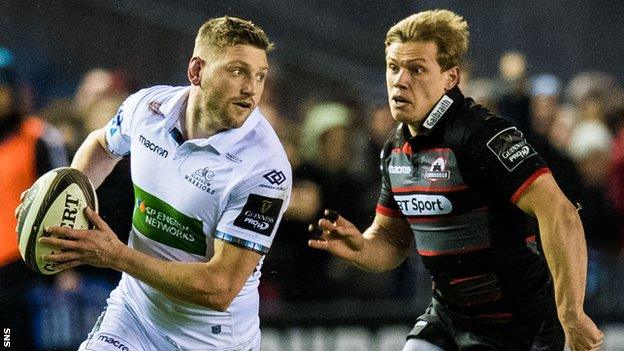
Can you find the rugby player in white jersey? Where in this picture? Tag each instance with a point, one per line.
(211, 183)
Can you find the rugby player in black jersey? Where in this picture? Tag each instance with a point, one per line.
(464, 188)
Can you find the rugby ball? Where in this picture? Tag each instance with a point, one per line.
(57, 199)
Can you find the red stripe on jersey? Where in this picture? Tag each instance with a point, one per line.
(453, 252)
(530, 239)
(437, 149)
(430, 188)
(427, 219)
(413, 219)
(406, 149)
(388, 211)
(516, 196)
(461, 280)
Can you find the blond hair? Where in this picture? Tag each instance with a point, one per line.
(445, 28)
(222, 32)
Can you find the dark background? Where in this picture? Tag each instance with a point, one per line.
(319, 43)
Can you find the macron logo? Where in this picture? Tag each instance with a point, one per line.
(153, 147)
(114, 342)
(438, 112)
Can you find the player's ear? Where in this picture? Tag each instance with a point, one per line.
(452, 78)
(194, 70)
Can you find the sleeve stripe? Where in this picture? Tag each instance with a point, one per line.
(516, 196)
(388, 211)
(245, 244)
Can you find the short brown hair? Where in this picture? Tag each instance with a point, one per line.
(445, 28)
(229, 31)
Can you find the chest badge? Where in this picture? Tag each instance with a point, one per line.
(438, 170)
(201, 179)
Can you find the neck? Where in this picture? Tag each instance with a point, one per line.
(196, 124)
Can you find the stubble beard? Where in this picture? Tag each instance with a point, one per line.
(211, 116)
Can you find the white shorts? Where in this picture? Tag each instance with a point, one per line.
(119, 328)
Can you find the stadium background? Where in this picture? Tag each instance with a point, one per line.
(328, 65)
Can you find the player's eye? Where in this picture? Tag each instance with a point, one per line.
(238, 72)
(416, 70)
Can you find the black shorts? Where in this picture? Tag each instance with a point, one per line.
(438, 327)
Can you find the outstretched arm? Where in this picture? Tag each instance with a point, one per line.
(564, 246)
(382, 247)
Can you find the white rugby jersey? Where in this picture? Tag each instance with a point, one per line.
(233, 186)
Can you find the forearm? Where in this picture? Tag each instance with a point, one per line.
(199, 283)
(564, 246)
(93, 159)
(380, 253)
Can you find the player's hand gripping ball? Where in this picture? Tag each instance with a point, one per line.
(57, 199)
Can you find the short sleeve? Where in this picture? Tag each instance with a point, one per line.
(501, 160)
(386, 205)
(119, 128)
(256, 205)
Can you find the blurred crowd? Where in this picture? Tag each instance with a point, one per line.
(577, 126)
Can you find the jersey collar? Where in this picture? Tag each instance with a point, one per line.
(223, 140)
(446, 106)
(172, 108)
(448, 103)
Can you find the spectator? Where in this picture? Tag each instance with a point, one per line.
(615, 180)
(61, 114)
(590, 145)
(590, 139)
(514, 101)
(561, 128)
(99, 94)
(544, 111)
(28, 148)
(327, 151)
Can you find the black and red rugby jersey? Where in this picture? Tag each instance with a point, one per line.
(456, 183)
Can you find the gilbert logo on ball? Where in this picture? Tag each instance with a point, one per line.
(57, 199)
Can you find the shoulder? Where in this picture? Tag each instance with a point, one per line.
(475, 123)
(160, 91)
(261, 151)
(153, 98)
(393, 140)
(263, 141)
(146, 93)
(153, 103)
